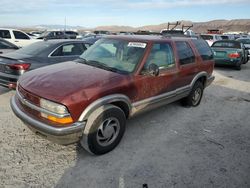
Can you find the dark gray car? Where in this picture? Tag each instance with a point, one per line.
(37, 55)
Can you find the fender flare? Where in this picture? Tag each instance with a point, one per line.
(102, 101)
(198, 76)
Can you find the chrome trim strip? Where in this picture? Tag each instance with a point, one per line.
(105, 100)
(39, 109)
(55, 131)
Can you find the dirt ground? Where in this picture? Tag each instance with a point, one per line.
(173, 146)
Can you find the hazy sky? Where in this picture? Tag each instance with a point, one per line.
(91, 13)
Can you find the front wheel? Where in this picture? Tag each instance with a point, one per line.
(194, 98)
(104, 130)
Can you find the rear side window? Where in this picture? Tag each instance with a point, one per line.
(20, 35)
(70, 50)
(203, 49)
(5, 34)
(185, 53)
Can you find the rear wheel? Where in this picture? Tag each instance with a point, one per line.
(105, 128)
(195, 96)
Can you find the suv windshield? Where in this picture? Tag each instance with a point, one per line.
(114, 55)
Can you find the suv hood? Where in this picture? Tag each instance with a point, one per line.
(59, 81)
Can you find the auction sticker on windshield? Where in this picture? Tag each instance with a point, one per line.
(137, 44)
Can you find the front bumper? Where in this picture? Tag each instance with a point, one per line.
(209, 80)
(60, 135)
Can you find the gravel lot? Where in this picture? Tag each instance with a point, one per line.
(207, 146)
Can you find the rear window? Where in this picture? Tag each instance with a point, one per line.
(207, 37)
(5, 34)
(203, 49)
(244, 41)
(35, 48)
(226, 44)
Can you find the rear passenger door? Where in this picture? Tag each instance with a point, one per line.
(187, 62)
(67, 52)
(150, 86)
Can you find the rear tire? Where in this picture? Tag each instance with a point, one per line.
(195, 96)
(104, 130)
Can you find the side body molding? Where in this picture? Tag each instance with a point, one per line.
(102, 101)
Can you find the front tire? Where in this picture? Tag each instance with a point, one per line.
(195, 96)
(104, 130)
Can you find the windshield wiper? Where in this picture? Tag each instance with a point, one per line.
(98, 64)
(104, 66)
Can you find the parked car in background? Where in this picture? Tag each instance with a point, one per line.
(53, 35)
(229, 52)
(6, 46)
(71, 34)
(211, 38)
(37, 55)
(17, 37)
(246, 42)
(92, 39)
(89, 99)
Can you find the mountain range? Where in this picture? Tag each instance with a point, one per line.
(237, 25)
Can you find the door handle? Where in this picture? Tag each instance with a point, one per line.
(17, 41)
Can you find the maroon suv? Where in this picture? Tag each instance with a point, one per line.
(89, 99)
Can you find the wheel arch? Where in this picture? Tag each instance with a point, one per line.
(119, 100)
(202, 76)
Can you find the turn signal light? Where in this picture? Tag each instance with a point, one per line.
(64, 120)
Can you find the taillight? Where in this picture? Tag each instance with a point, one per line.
(22, 66)
(234, 55)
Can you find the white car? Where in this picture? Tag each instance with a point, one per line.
(211, 38)
(17, 37)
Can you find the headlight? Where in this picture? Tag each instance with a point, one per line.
(53, 107)
(56, 112)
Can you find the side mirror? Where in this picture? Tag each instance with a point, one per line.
(153, 69)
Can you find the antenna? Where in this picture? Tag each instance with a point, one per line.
(64, 23)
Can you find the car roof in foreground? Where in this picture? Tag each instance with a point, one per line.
(147, 38)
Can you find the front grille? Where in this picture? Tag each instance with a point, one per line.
(28, 96)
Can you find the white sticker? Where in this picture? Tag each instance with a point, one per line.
(137, 44)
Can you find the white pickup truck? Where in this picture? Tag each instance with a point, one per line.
(17, 37)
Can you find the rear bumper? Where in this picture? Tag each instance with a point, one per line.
(209, 80)
(60, 135)
(227, 62)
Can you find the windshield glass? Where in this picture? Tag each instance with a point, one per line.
(34, 48)
(114, 55)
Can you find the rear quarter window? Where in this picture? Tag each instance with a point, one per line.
(203, 49)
